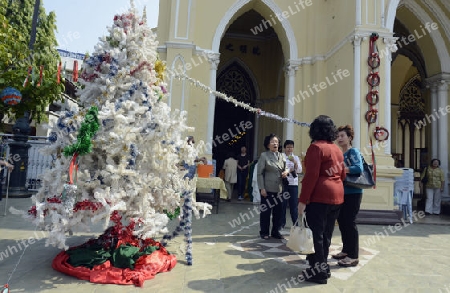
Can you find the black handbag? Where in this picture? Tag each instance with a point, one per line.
(425, 178)
(364, 180)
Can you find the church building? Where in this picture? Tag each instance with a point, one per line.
(382, 66)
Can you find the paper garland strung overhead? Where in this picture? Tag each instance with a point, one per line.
(236, 102)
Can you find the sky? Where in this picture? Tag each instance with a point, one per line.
(81, 22)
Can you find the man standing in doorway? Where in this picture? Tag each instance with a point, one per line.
(242, 171)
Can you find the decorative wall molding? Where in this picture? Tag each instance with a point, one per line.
(177, 17)
(180, 60)
(375, 12)
(225, 22)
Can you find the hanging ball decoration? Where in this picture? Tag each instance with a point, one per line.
(11, 96)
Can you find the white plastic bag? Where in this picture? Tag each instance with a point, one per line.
(301, 238)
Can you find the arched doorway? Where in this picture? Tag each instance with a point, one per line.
(411, 133)
(251, 70)
(409, 104)
(233, 126)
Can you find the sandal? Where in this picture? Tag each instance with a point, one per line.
(348, 262)
(265, 237)
(340, 255)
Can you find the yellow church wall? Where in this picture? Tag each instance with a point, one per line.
(400, 75)
(339, 20)
(339, 78)
(302, 109)
(164, 26)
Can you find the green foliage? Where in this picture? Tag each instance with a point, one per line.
(16, 58)
(88, 128)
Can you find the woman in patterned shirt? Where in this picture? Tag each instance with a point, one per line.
(434, 187)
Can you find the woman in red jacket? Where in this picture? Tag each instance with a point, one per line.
(322, 194)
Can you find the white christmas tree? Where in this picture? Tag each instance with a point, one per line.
(123, 145)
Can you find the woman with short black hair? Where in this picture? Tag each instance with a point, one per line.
(270, 171)
(322, 194)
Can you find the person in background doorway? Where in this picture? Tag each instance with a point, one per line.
(192, 169)
(295, 167)
(434, 187)
(242, 172)
(348, 257)
(322, 194)
(230, 177)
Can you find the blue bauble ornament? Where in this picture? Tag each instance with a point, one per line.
(11, 96)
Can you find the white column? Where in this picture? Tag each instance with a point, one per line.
(213, 58)
(434, 126)
(357, 91)
(288, 131)
(442, 129)
(256, 138)
(390, 48)
(358, 12)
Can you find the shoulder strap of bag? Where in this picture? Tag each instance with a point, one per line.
(304, 222)
(373, 163)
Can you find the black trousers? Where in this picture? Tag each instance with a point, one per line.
(321, 219)
(293, 205)
(347, 224)
(241, 180)
(270, 205)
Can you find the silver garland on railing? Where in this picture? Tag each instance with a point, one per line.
(236, 102)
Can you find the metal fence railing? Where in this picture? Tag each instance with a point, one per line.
(37, 162)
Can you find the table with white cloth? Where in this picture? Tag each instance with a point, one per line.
(211, 190)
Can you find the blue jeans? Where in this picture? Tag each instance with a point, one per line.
(293, 205)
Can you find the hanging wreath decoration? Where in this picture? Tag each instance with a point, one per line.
(374, 60)
(372, 97)
(373, 79)
(381, 133)
(371, 116)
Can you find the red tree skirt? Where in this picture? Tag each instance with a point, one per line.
(146, 267)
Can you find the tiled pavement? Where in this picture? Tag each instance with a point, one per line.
(406, 258)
